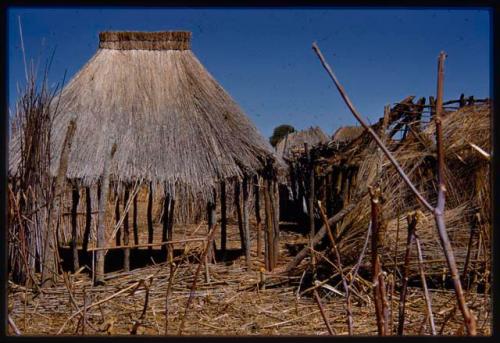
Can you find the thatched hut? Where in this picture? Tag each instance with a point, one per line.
(293, 143)
(144, 111)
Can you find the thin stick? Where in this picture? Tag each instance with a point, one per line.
(14, 326)
(428, 300)
(323, 314)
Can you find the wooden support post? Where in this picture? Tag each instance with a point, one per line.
(274, 194)
(166, 221)
(118, 236)
(379, 294)
(74, 226)
(88, 220)
(126, 233)
(101, 238)
(269, 232)
(310, 193)
(150, 217)
(223, 223)
(134, 221)
(239, 213)
(257, 215)
(211, 216)
(170, 228)
(246, 226)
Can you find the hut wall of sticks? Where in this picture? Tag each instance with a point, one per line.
(142, 128)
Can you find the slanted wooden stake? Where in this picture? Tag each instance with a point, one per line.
(246, 226)
(103, 197)
(74, 226)
(88, 220)
(126, 233)
(150, 217)
(134, 222)
(223, 219)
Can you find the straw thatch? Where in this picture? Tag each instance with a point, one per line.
(346, 134)
(294, 141)
(172, 122)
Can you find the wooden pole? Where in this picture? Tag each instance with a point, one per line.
(246, 226)
(170, 228)
(257, 215)
(377, 276)
(126, 233)
(74, 226)
(237, 201)
(211, 216)
(134, 222)
(117, 218)
(88, 219)
(101, 239)
(150, 217)
(164, 233)
(223, 222)
(276, 233)
(269, 254)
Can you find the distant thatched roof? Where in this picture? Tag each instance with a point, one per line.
(295, 141)
(346, 134)
(170, 119)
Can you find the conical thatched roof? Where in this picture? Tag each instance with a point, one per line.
(171, 121)
(294, 141)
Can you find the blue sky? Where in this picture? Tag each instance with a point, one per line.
(263, 57)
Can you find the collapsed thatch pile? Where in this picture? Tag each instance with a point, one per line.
(361, 164)
(172, 123)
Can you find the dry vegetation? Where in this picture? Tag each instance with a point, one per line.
(365, 259)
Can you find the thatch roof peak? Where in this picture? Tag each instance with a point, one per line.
(138, 40)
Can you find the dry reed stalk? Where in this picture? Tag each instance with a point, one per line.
(245, 224)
